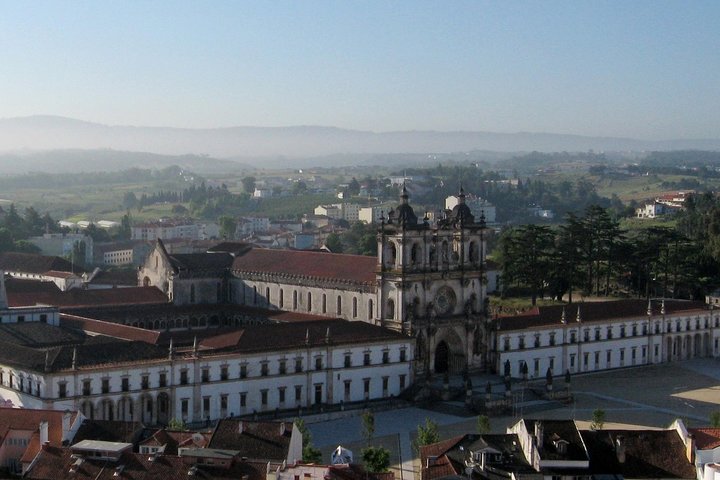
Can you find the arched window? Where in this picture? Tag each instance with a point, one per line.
(295, 300)
(415, 254)
(192, 293)
(267, 295)
(255, 299)
(309, 301)
(370, 309)
(339, 305)
(282, 298)
(354, 310)
(390, 313)
(392, 254)
(472, 250)
(324, 303)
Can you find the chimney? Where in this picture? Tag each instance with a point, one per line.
(539, 435)
(44, 432)
(690, 448)
(240, 427)
(620, 448)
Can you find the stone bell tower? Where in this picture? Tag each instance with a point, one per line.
(431, 285)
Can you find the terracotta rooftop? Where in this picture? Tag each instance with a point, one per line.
(292, 335)
(78, 297)
(269, 441)
(115, 330)
(648, 454)
(594, 312)
(21, 285)
(301, 263)
(706, 438)
(54, 463)
(29, 419)
(33, 263)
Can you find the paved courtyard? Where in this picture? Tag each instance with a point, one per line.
(652, 396)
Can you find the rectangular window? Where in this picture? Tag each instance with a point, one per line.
(366, 358)
(298, 365)
(403, 355)
(608, 357)
(318, 363)
(597, 359)
(184, 407)
(597, 334)
(206, 407)
(125, 384)
(521, 342)
(386, 357)
(43, 318)
(402, 382)
(281, 394)
(385, 382)
(243, 399)
(552, 340)
(339, 305)
(506, 344)
(224, 372)
(657, 351)
(609, 333)
(282, 367)
(347, 390)
(86, 387)
(264, 369)
(105, 385)
(162, 381)
(552, 364)
(183, 377)
(318, 393)
(205, 375)
(298, 393)
(223, 405)
(243, 371)
(586, 335)
(145, 382)
(263, 397)
(572, 360)
(348, 360)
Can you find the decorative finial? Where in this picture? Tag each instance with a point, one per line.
(649, 309)
(578, 317)
(327, 335)
(74, 358)
(307, 337)
(662, 307)
(170, 350)
(563, 318)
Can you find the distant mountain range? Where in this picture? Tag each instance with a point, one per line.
(52, 133)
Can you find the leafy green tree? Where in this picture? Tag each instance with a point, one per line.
(376, 459)
(333, 243)
(598, 419)
(130, 200)
(248, 184)
(483, 424)
(526, 258)
(715, 419)
(368, 425)
(25, 246)
(310, 453)
(176, 424)
(227, 227)
(427, 434)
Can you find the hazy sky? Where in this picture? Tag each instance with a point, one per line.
(646, 69)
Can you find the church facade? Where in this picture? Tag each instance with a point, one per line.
(427, 282)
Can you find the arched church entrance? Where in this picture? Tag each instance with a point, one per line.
(442, 357)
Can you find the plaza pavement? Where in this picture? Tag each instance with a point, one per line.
(652, 396)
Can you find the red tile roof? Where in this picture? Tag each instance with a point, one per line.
(29, 419)
(706, 438)
(77, 297)
(300, 263)
(116, 330)
(594, 312)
